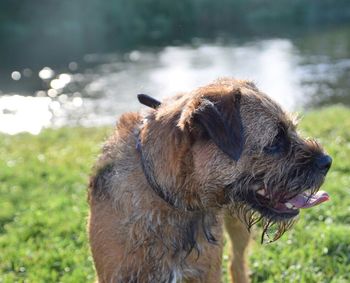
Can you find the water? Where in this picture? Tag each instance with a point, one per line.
(303, 72)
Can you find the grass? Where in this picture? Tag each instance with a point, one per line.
(43, 210)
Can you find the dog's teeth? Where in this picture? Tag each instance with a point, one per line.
(288, 205)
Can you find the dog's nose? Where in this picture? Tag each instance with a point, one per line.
(324, 162)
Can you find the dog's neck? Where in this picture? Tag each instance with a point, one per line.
(171, 192)
(148, 171)
(195, 219)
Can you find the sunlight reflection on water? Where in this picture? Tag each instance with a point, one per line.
(270, 64)
(97, 95)
(24, 114)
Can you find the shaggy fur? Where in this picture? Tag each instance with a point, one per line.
(164, 181)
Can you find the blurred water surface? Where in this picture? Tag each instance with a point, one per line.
(303, 72)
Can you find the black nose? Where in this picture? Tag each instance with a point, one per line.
(324, 162)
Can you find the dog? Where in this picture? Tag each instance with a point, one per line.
(168, 180)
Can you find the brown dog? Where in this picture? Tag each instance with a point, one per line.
(165, 180)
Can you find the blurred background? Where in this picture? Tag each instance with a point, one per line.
(71, 63)
(82, 62)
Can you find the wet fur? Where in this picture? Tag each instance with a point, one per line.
(205, 153)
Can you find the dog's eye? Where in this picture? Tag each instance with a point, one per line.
(279, 144)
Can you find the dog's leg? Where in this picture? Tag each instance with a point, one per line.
(239, 240)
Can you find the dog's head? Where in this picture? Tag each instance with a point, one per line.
(232, 145)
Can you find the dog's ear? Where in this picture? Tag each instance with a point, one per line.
(148, 101)
(221, 122)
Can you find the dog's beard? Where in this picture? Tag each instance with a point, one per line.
(261, 201)
(244, 204)
(275, 212)
(272, 228)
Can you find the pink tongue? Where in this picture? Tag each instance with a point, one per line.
(304, 201)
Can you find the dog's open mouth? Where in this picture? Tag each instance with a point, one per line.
(290, 207)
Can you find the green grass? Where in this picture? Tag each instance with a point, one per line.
(43, 210)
